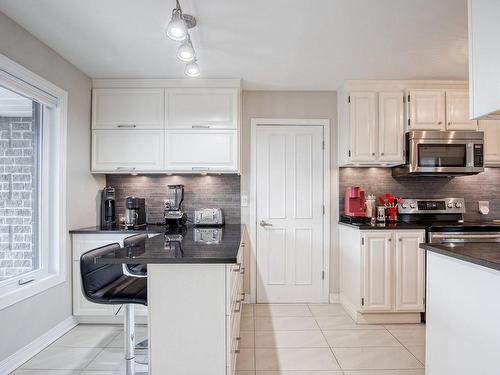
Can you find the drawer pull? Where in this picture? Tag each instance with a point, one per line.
(127, 126)
(238, 309)
(125, 168)
(242, 270)
(236, 351)
(237, 338)
(200, 126)
(243, 296)
(238, 269)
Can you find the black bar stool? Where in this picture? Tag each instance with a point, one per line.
(137, 270)
(108, 284)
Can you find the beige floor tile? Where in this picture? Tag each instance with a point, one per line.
(355, 338)
(299, 372)
(89, 336)
(410, 336)
(141, 333)
(343, 322)
(245, 360)
(290, 339)
(302, 359)
(247, 323)
(418, 351)
(45, 372)
(376, 358)
(327, 309)
(111, 359)
(386, 372)
(405, 326)
(62, 358)
(247, 339)
(264, 310)
(103, 372)
(247, 309)
(286, 323)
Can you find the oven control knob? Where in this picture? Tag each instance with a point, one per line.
(413, 205)
(450, 205)
(404, 205)
(458, 205)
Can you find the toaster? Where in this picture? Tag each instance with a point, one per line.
(208, 216)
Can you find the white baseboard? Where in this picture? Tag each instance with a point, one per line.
(15, 360)
(334, 298)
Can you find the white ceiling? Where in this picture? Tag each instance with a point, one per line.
(270, 44)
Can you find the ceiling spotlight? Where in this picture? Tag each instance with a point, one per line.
(179, 24)
(192, 69)
(185, 52)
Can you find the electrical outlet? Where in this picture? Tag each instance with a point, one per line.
(244, 200)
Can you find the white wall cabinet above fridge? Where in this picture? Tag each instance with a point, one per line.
(164, 126)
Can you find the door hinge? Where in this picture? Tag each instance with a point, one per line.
(323, 209)
(362, 240)
(322, 275)
(362, 301)
(349, 153)
(349, 99)
(404, 99)
(408, 122)
(323, 145)
(408, 98)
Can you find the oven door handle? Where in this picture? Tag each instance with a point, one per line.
(465, 236)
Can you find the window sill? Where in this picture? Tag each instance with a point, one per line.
(11, 296)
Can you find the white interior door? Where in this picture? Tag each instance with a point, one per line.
(289, 214)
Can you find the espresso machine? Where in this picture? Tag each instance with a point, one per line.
(135, 212)
(174, 217)
(354, 201)
(108, 214)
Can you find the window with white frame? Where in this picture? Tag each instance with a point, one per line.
(32, 183)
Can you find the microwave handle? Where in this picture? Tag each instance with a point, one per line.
(470, 155)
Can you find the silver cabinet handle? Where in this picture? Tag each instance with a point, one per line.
(239, 267)
(125, 168)
(382, 153)
(242, 270)
(243, 296)
(440, 122)
(238, 309)
(236, 351)
(264, 224)
(200, 126)
(127, 126)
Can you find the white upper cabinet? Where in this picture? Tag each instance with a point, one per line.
(127, 151)
(457, 111)
(391, 117)
(426, 110)
(363, 125)
(491, 129)
(409, 263)
(201, 150)
(210, 108)
(484, 59)
(127, 109)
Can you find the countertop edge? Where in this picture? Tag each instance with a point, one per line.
(397, 226)
(465, 258)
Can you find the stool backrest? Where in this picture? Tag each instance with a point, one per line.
(135, 240)
(97, 276)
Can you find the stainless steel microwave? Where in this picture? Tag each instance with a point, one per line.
(448, 153)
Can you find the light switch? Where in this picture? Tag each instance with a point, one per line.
(244, 200)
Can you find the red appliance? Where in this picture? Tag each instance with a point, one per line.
(354, 201)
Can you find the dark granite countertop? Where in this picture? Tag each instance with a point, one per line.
(397, 225)
(182, 246)
(485, 254)
(119, 229)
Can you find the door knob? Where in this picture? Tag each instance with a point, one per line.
(264, 224)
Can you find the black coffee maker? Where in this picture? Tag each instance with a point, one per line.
(108, 214)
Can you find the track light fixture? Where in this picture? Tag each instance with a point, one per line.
(177, 30)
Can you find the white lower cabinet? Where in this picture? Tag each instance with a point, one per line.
(382, 274)
(127, 151)
(201, 150)
(83, 309)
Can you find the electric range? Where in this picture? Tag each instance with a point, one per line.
(444, 220)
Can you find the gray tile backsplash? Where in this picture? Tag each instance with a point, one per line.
(483, 186)
(222, 191)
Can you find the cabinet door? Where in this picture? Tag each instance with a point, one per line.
(427, 110)
(391, 126)
(409, 271)
(127, 151)
(491, 129)
(457, 111)
(209, 108)
(127, 109)
(363, 126)
(201, 150)
(377, 283)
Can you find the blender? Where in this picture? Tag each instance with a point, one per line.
(174, 217)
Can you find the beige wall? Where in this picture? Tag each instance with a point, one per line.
(293, 104)
(28, 319)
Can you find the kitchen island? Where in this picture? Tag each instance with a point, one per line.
(463, 304)
(195, 294)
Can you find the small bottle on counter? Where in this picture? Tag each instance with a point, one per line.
(370, 207)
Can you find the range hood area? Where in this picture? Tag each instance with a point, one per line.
(442, 153)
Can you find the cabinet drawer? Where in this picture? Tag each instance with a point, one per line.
(127, 151)
(201, 150)
(210, 108)
(127, 109)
